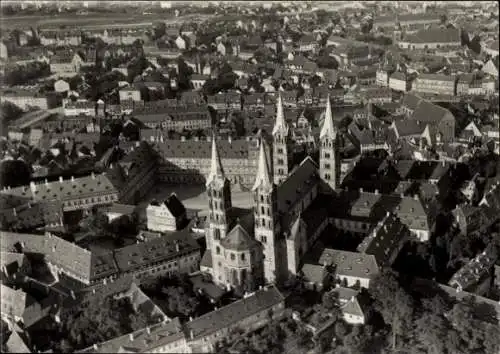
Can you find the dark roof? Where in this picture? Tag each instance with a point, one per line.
(143, 340)
(299, 183)
(235, 312)
(429, 112)
(350, 263)
(175, 206)
(384, 239)
(238, 239)
(236, 149)
(168, 246)
(435, 35)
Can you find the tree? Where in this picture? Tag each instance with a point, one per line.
(14, 173)
(393, 303)
(304, 338)
(185, 73)
(327, 62)
(340, 329)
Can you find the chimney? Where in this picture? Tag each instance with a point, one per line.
(196, 138)
(191, 335)
(415, 197)
(73, 295)
(209, 138)
(183, 138)
(95, 346)
(376, 191)
(72, 179)
(46, 182)
(229, 139)
(92, 175)
(131, 337)
(33, 186)
(361, 190)
(148, 330)
(93, 291)
(402, 195)
(14, 211)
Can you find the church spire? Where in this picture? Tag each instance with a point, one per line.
(216, 170)
(328, 129)
(263, 178)
(280, 125)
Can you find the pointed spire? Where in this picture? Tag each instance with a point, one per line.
(280, 125)
(263, 178)
(328, 128)
(216, 170)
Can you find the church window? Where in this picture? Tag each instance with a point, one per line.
(262, 198)
(263, 239)
(217, 234)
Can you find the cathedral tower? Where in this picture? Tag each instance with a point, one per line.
(266, 217)
(219, 202)
(329, 166)
(282, 147)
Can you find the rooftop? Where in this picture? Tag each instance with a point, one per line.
(231, 314)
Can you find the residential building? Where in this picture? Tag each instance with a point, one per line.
(79, 107)
(198, 80)
(66, 64)
(75, 194)
(130, 93)
(169, 215)
(25, 99)
(399, 82)
(432, 38)
(201, 334)
(407, 20)
(250, 313)
(434, 84)
(176, 118)
(354, 310)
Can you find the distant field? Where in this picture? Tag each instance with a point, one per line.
(87, 21)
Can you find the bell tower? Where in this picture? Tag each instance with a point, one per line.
(329, 157)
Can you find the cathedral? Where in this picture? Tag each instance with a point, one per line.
(250, 247)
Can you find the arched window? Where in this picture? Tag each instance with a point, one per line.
(217, 234)
(217, 250)
(233, 257)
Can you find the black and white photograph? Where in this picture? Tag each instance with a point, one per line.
(249, 177)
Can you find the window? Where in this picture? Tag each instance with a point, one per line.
(263, 239)
(327, 166)
(232, 256)
(217, 234)
(327, 155)
(281, 162)
(262, 210)
(217, 250)
(242, 256)
(280, 150)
